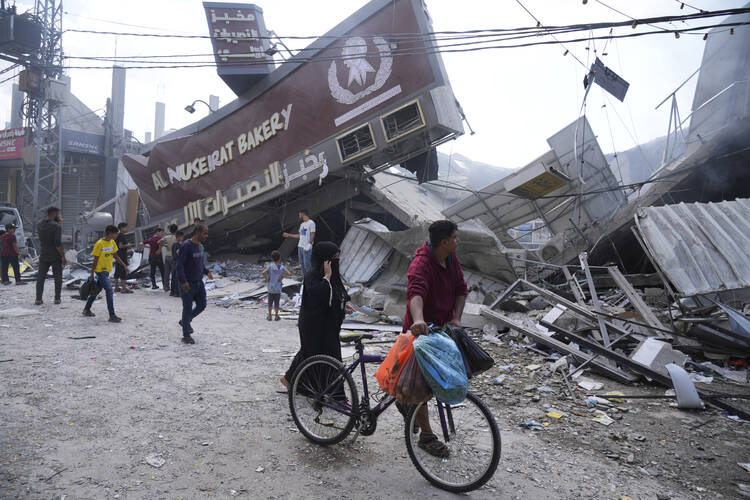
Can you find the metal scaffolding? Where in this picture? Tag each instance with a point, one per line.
(42, 180)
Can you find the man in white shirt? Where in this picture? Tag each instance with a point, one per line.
(306, 239)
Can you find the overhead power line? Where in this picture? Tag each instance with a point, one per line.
(425, 50)
(406, 36)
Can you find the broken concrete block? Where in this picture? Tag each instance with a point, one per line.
(395, 303)
(471, 317)
(657, 354)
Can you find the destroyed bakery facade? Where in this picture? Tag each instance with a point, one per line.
(309, 134)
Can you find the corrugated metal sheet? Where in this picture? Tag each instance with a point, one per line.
(363, 252)
(700, 247)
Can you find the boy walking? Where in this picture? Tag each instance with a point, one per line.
(274, 274)
(104, 251)
(9, 255)
(122, 250)
(190, 270)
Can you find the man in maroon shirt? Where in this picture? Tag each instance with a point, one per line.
(436, 293)
(9, 255)
(154, 258)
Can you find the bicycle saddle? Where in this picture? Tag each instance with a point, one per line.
(355, 336)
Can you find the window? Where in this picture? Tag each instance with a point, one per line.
(404, 120)
(356, 143)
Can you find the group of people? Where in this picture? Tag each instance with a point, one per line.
(185, 261)
(436, 289)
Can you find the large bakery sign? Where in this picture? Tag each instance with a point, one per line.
(251, 150)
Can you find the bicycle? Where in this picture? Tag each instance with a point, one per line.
(325, 406)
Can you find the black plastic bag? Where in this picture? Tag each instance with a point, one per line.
(476, 359)
(89, 289)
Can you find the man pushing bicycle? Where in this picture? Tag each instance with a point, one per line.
(436, 294)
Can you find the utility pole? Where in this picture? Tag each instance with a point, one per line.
(42, 181)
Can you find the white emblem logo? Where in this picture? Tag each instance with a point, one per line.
(354, 52)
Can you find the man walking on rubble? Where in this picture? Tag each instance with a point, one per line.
(436, 293)
(190, 269)
(51, 253)
(306, 239)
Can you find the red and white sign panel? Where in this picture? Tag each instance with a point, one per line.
(12, 140)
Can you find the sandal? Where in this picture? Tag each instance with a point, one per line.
(432, 445)
(268, 317)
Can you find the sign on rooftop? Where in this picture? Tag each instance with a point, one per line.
(240, 40)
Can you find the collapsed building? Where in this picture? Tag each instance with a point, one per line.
(311, 134)
(301, 138)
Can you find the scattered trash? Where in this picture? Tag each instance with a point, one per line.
(603, 418)
(546, 390)
(155, 460)
(554, 414)
(614, 393)
(589, 385)
(260, 469)
(532, 425)
(744, 465)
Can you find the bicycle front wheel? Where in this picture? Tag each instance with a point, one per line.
(471, 436)
(323, 400)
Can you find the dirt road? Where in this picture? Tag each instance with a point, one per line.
(81, 418)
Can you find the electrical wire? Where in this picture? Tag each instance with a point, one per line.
(421, 36)
(539, 24)
(406, 52)
(684, 4)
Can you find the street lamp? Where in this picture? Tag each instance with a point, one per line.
(190, 108)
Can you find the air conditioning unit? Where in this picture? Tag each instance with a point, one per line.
(356, 143)
(553, 248)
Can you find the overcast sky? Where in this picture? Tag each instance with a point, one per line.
(513, 98)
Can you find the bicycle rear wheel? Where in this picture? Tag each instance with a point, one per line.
(473, 442)
(323, 400)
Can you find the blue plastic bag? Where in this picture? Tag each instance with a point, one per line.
(442, 366)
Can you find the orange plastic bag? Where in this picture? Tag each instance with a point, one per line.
(390, 369)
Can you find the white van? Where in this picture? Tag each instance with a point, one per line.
(10, 215)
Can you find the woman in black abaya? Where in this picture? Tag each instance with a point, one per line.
(323, 308)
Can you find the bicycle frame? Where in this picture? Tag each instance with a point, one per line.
(444, 411)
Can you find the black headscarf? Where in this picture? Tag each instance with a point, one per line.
(321, 252)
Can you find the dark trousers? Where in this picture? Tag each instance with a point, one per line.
(174, 284)
(103, 278)
(197, 295)
(44, 266)
(169, 268)
(155, 263)
(5, 261)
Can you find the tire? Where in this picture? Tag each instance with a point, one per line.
(321, 418)
(476, 436)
